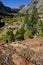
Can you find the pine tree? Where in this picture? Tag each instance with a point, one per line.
(33, 20)
(10, 36)
(30, 24)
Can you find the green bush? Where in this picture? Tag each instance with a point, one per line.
(28, 34)
(40, 28)
(10, 35)
(20, 34)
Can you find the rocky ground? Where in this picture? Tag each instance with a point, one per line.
(27, 52)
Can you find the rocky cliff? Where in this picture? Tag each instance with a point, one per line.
(37, 3)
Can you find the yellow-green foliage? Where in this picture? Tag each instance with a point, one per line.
(28, 34)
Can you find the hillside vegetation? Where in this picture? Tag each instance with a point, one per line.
(21, 27)
(21, 36)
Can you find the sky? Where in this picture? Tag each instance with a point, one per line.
(15, 3)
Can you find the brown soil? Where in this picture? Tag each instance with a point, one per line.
(27, 52)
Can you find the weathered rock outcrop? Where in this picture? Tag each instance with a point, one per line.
(37, 3)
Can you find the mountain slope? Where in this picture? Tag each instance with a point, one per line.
(7, 9)
(4, 8)
(37, 3)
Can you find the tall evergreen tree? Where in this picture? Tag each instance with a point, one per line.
(10, 36)
(33, 20)
(30, 24)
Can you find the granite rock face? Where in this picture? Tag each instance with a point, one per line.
(19, 53)
(37, 3)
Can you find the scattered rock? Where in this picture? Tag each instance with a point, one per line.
(21, 54)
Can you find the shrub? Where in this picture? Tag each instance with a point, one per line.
(28, 34)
